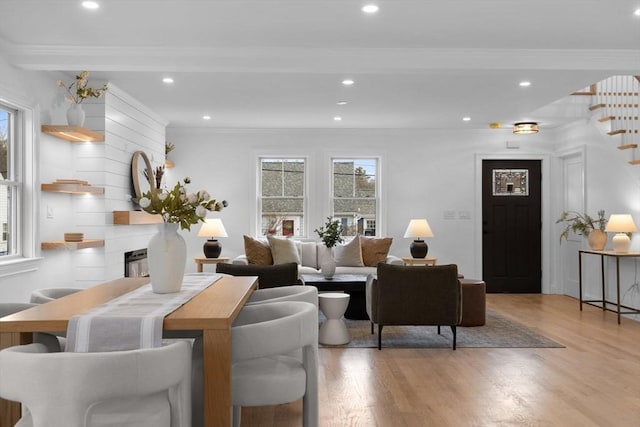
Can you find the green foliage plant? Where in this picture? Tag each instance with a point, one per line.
(330, 233)
(581, 223)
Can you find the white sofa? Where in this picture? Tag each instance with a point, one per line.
(311, 255)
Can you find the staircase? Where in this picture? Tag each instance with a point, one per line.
(616, 103)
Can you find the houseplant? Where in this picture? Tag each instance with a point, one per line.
(330, 234)
(166, 252)
(587, 226)
(77, 92)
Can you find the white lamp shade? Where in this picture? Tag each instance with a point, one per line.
(418, 228)
(212, 227)
(621, 223)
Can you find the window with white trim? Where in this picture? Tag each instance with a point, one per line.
(10, 184)
(355, 194)
(281, 197)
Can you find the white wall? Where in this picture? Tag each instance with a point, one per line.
(610, 184)
(424, 174)
(128, 126)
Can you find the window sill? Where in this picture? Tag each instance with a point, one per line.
(18, 265)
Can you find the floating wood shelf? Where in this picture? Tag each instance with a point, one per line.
(73, 133)
(61, 244)
(71, 188)
(135, 218)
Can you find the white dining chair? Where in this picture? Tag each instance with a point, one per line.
(141, 388)
(285, 293)
(53, 343)
(265, 340)
(41, 296)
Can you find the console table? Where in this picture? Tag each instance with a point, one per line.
(603, 303)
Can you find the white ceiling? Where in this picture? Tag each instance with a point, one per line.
(280, 63)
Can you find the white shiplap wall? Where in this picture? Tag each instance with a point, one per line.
(129, 126)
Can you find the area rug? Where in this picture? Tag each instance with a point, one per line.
(498, 332)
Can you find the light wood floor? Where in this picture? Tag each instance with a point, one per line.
(594, 381)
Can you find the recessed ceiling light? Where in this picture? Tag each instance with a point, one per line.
(337, 118)
(636, 12)
(90, 4)
(341, 103)
(370, 8)
(525, 84)
(167, 80)
(206, 117)
(348, 82)
(466, 119)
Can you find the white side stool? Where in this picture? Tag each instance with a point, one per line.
(333, 331)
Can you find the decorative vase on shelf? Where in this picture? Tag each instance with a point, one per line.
(167, 256)
(597, 240)
(75, 115)
(328, 265)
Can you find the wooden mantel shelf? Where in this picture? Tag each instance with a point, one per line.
(73, 133)
(71, 188)
(135, 218)
(61, 244)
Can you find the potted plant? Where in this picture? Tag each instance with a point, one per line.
(330, 234)
(166, 251)
(587, 226)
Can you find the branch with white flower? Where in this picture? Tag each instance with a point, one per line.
(178, 206)
(78, 90)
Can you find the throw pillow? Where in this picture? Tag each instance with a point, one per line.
(283, 250)
(349, 254)
(257, 252)
(374, 250)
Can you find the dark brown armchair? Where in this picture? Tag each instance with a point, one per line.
(414, 295)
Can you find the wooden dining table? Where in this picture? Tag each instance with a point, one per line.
(210, 312)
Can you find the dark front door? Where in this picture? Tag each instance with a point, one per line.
(511, 226)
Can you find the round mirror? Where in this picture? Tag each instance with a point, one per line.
(141, 174)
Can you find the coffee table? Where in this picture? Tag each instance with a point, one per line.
(352, 284)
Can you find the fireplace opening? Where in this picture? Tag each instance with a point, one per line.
(135, 263)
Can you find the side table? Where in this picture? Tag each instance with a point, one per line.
(200, 261)
(419, 261)
(333, 331)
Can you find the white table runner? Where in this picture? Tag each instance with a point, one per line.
(133, 320)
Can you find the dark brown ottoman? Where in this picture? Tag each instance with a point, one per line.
(474, 306)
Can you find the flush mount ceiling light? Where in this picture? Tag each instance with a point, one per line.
(522, 128)
(337, 118)
(525, 84)
(370, 8)
(341, 103)
(167, 80)
(466, 119)
(90, 5)
(347, 82)
(206, 117)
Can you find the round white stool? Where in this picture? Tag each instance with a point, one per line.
(333, 331)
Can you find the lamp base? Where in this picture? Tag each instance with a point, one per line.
(418, 249)
(212, 248)
(621, 243)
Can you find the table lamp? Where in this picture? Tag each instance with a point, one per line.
(621, 224)
(212, 228)
(418, 228)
